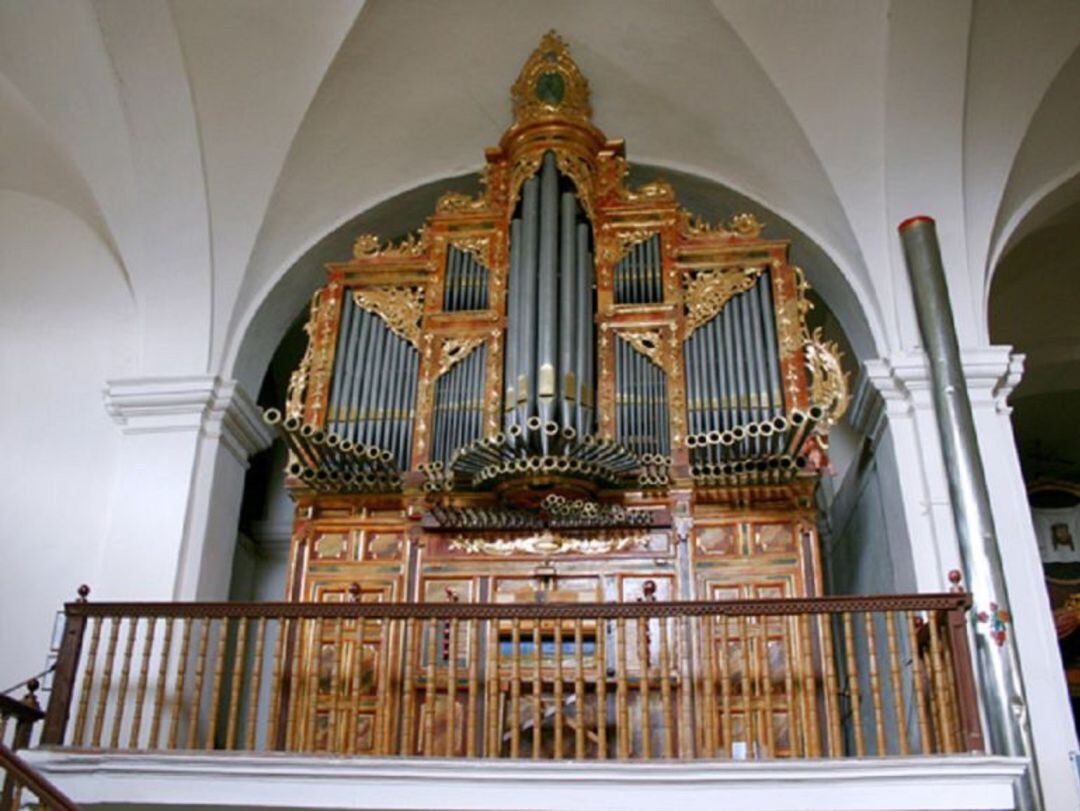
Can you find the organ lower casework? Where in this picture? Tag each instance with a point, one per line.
(561, 390)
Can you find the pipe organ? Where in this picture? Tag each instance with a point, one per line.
(562, 389)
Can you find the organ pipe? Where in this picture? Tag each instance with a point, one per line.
(549, 325)
(466, 281)
(638, 275)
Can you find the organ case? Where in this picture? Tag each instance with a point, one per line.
(561, 389)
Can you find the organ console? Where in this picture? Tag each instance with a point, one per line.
(561, 389)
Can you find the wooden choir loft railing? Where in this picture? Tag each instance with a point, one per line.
(22, 786)
(786, 678)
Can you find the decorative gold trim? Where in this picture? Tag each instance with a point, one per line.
(580, 171)
(326, 322)
(400, 307)
(828, 380)
(614, 180)
(454, 202)
(476, 246)
(791, 315)
(494, 383)
(548, 543)
(708, 290)
(298, 380)
(648, 342)
(744, 226)
(625, 240)
(369, 246)
(455, 350)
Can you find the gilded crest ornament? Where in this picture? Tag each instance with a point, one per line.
(550, 84)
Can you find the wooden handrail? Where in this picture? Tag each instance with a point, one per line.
(945, 601)
(20, 710)
(19, 773)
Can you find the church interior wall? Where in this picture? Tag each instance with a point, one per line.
(67, 323)
(126, 254)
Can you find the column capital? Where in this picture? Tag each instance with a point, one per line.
(203, 404)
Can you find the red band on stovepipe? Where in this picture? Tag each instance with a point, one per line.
(910, 221)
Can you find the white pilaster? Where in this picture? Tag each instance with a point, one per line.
(902, 380)
(992, 374)
(172, 523)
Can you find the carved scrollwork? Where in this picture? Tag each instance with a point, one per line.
(477, 246)
(455, 350)
(294, 397)
(707, 291)
(548, 543)
(624, 241)
(580, 171)
(745, 226)
(575, 167)
(615, 180)
(526, 167)
(454, 202)
(369, 246)
(791, 313)
(400, 307)
(648, 342)
(829, 383)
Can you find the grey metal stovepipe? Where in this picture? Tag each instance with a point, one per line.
(997, 665)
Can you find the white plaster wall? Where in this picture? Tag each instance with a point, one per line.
(66, 324)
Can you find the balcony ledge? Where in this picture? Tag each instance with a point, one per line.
(291, 781)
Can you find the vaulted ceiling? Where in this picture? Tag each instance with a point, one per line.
(211, 145)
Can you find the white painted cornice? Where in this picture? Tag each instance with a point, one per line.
(205, 404)
(902, 380)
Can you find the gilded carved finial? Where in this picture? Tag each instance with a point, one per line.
(550, 83)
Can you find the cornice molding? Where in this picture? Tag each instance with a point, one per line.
(204, 404)
(902, 381)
